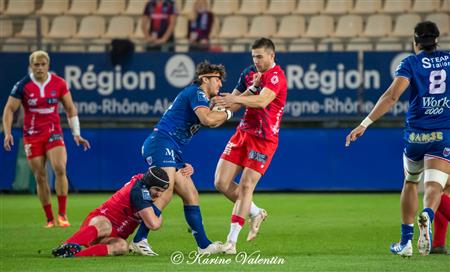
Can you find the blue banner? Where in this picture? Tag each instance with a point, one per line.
(320, 85)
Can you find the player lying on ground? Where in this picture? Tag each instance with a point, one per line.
(105, 229)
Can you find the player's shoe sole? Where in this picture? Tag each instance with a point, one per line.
(255, 223)
(424, 242)
(402, 250)
(66, 250)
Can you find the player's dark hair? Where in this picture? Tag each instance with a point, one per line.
(263, 43)
(205, 68)
(156, 177)
(425, 34)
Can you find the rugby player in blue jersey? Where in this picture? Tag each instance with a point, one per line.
(163, 148)
(426, 134)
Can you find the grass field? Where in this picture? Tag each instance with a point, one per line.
(310, 232)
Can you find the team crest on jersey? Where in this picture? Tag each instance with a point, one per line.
(53, 92)
(32, 102)
(275, 79)
(146, 194)
(446, 152)
(202, 96)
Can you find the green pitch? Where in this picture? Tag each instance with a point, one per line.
(304, 232)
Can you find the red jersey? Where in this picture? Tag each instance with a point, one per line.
(122, 207)
(40, 103)
(264, 123)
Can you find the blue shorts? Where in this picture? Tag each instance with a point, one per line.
(159, 150)
(426, 143)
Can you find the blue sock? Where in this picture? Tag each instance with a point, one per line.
(143, 231)
(407, 233)
(430, 213)
(194, 219)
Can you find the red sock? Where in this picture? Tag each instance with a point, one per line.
(95, 250)
(62, 200)
(440, 229)
(48, 212)
(444, 206)
(84, 236)
(237, 219)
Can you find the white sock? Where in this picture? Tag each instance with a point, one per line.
(254, 210)
(235, 228)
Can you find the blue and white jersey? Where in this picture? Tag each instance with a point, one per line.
(429, 102)
(180, 121)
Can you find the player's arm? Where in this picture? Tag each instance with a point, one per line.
(74, 122)
(252, 101)
(150, 219)
(384, 104)
(12, 105)
(211, 118)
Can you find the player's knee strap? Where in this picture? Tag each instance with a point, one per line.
(413, 169)
(436, 176)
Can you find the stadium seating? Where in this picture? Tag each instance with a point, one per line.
(442, 20)
(424, 6)
(349, 26)
(403, 25)
(20, 7)
(330, 44)
(225, 7)
(135, 7)
(310, 7)
(291, 27)
(359, 44)
(111, 7)
(379, 25)
(262, 26)
(82, 7)
(252, 7)
(338, 6)
(366, 6)
(181, 28)
(234, 27)
(320, 26)
(2, 6)
(120, 27)
(396, 6)
(445, 6)
(63, 27)
(388, 44)
(52, 7)
(91, 27)
(15, 45)
(6, 28)
(281, 7)
(301, 44)
(29, 28)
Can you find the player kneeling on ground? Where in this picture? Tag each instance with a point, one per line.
(105, 229)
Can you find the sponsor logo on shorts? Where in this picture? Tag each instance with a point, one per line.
(253, 155)
(55, 137)
(228, 148)
(171, 153)
(446, 152)
(425, 137)
(27, 149)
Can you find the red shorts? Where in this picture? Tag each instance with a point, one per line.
(249, 151)
(36, 146)
(93, 214)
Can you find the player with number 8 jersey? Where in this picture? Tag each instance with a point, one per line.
(426, 136)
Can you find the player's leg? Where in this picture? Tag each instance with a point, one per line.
(441, 221)
(112, 246)
(94, 228)
(241, 209)
(37, 165)
(435, 180)
(185, 188)
(57, 155)
(224, 179)
(408, 204)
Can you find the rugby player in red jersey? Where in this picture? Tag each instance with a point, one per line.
(262, 89)
(105, 230)
(39, 94)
